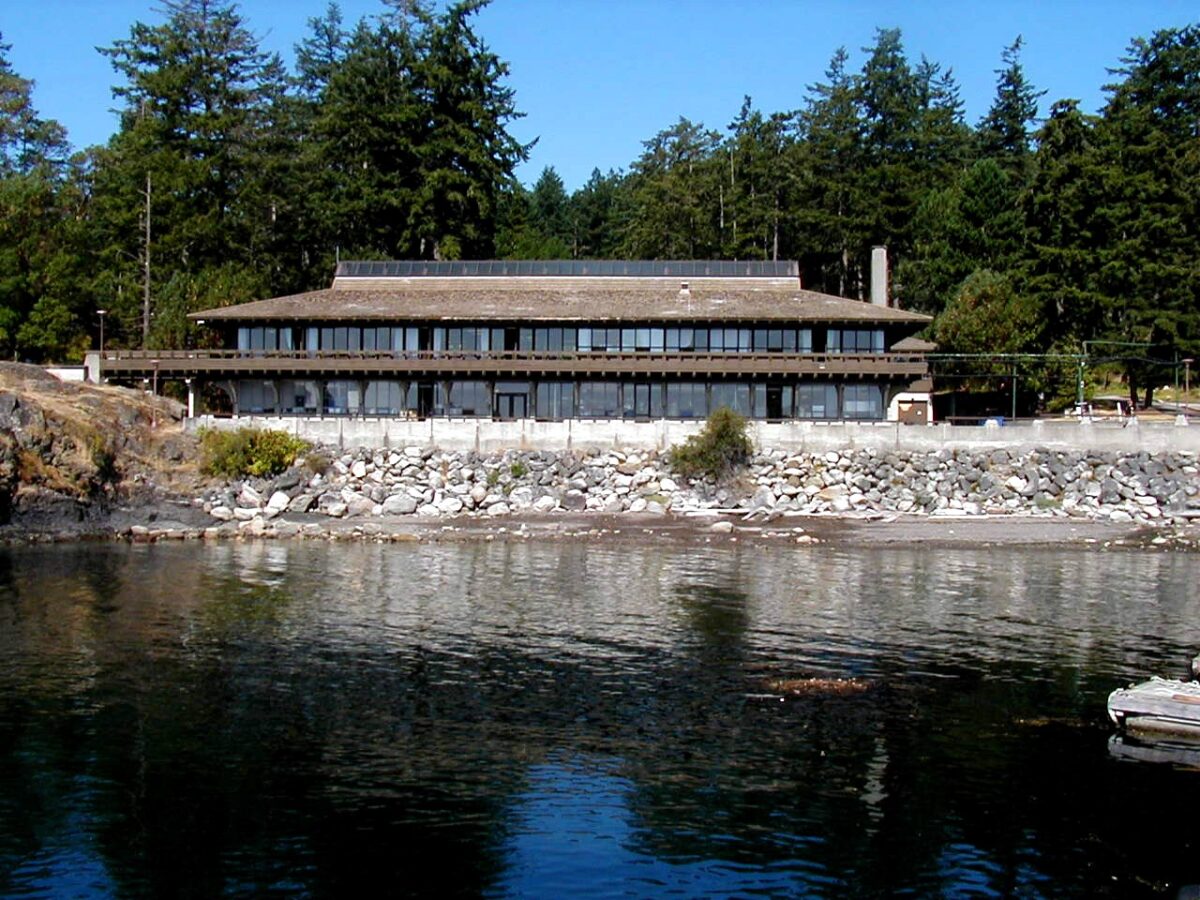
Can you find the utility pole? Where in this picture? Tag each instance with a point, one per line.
(146, 271)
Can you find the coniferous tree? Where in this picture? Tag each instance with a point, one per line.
(1004, 131)
(172, 185)
(43, 297)
(1150, 169)
(753, 185)
(600, 213)
(675, 195)
(1063, 230)
(829, 217)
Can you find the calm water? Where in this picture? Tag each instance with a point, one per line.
(544, 720)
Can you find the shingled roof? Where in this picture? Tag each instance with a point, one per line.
(561, 299)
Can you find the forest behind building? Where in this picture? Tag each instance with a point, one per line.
(233, 177)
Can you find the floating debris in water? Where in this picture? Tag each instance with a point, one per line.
(807, 687)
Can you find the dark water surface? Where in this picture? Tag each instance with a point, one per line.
(556, 720)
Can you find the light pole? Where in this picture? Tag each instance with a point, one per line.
(100, 362)
(1187, 383)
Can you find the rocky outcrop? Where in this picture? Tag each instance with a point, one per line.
(68, 451)
(430, 483)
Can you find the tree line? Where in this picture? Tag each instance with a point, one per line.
(231, 177)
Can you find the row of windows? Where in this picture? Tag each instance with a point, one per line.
(555, 400)
(352, 338)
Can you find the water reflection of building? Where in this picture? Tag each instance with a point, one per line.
(556, 341)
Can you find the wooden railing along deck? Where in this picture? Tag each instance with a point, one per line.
(180, 363)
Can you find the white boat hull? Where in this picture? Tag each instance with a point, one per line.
(1157, 706)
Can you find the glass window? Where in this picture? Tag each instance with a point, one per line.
(243, 338)
(312, 339)
(687, 400)
(255, 396)
(298, 397)
(760, 340)
(555, 400)
(744, 340)
(805, 340)
(412, 340)
(628, 340)
(716, 340)
(657, 340)
(672, 340)
(585, 340)
(775, 340)
(701, 337)
(368, 339)
(862, 401)
(569, 339)
(734, 395)
(525, 340)
(642, 339)
(854, 341)
(383, 398)
(342, 398)
(599, 399)
(467, 398)
(816, 401)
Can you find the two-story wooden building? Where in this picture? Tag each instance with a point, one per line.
(556, 340)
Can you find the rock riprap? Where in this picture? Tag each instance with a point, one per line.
(430, 483)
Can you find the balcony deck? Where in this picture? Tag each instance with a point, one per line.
(518, 364)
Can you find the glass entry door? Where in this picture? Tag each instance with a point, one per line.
(643, 407)
(511, 406)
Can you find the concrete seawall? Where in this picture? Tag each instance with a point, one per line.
(486, 436)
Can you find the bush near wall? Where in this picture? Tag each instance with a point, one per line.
(715, 452)
(248, 451)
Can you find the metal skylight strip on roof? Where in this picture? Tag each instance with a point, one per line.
(568, 268)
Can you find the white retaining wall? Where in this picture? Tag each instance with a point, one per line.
(485, 435)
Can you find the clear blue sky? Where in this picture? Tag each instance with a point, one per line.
(597, 77)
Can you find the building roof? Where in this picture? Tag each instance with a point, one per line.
(746, 294)
(914, 345)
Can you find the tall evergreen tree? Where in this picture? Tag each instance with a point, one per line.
(43, 299)
(1004, 133)
(600, 213)
(752, 190)
(172, 184)
(466, 152)
(675, 195)
(1150, 150)
(829, 217)
(1064, 232)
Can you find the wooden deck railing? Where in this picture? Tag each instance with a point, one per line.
(227, 363)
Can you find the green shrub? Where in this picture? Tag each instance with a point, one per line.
(248, 451)
(518, 469)
(716, 451)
